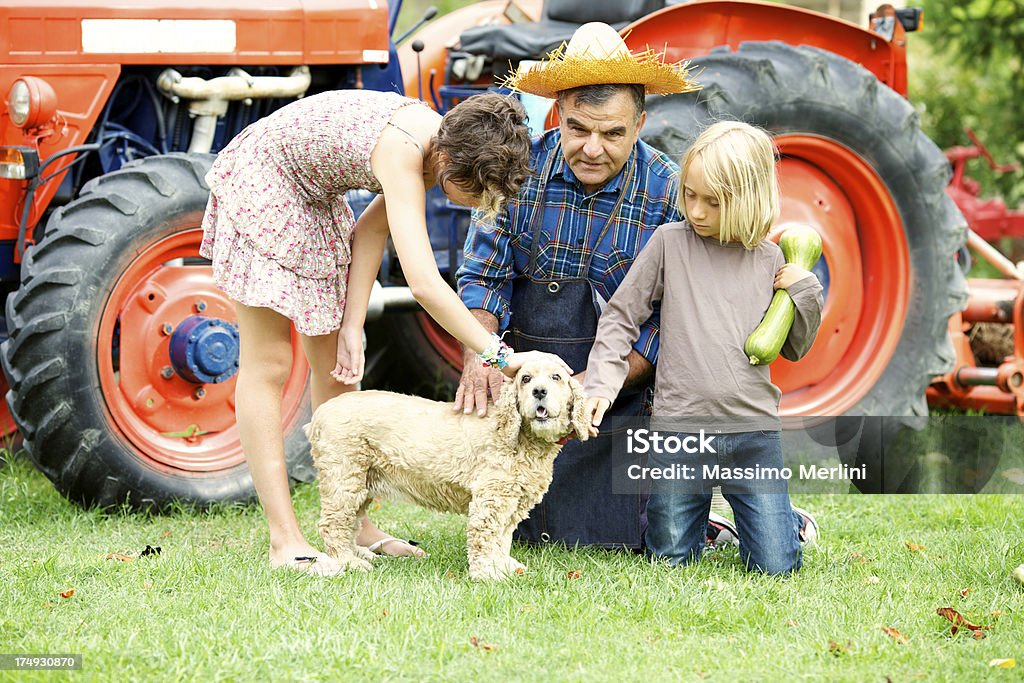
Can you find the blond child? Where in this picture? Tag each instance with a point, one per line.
(715, 274)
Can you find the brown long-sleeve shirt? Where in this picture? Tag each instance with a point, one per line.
(712, 297)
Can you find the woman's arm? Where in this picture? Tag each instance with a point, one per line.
(368, 241)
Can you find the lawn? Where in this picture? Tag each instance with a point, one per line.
(207, 608)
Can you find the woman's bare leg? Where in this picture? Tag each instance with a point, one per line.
(264, 366)
(321, 352)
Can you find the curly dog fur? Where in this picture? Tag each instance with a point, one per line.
(375, 444)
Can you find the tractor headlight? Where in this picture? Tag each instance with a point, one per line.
(31, 102)
(19, 102)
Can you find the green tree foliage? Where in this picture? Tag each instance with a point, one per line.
(965, 70)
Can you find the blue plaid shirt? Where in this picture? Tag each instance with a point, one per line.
(496, 254)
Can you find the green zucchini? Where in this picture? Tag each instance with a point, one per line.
(801, 245)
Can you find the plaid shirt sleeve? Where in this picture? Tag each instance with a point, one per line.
(485, 276)
(649, 341)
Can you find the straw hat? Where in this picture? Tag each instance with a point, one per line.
(597, 54)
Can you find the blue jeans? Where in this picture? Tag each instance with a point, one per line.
(768, 527)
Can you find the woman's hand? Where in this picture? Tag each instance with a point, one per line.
(594, 410)
(349, 369)
(788, 275)
(518, 360)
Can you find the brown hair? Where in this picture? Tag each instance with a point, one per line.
(486, 146)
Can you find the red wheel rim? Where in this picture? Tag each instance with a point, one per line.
(829, 187)
(170, 423)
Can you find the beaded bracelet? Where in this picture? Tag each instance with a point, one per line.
(497, 354)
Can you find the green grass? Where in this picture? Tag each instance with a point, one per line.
(207, 607)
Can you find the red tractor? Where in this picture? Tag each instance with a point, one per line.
(121, 352)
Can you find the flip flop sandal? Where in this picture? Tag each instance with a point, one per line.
(377, 545)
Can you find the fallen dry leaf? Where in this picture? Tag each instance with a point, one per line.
(574, 574)
(1003, 663)
(791, 622)
(862, 559)
(384, 612)
(996, 613)
(477, 643)
(894, 634)
(958, 620)
(166, 533)
(120, 557)
(68, 593)
(964, 592)
(871, 580)
(47, 604)
(837, 649)
(520, 571)
(914, 547)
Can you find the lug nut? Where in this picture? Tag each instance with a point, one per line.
(200, 306)
(166, 329)
(167, 372)
(198, 393)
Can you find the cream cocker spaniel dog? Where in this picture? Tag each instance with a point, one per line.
(376, 444)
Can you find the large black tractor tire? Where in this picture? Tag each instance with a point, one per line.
(424, 359)
(52, 359)
(808, 91)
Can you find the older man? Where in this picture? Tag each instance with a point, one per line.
(559, 250)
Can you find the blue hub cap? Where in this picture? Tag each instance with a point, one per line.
(205, 350)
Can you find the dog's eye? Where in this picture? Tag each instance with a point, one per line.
(526, 379)
(556, 377)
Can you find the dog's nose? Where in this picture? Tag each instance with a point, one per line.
(540, 392)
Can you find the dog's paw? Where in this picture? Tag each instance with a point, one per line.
(514, 566)
(495, 570)
(365, 553)
(352, 562)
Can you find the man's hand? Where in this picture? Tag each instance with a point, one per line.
(475, 385)
(595, 409)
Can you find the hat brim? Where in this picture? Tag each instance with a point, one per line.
(559, 73)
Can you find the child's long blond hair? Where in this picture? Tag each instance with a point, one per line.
(739, 169)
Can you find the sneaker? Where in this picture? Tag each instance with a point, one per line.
(809, 532)
(721, 531)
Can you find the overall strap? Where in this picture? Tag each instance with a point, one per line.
(539, 215)
(537, 220)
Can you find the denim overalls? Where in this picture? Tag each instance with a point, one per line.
(560, 316)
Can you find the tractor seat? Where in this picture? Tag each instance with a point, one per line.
(559, 20)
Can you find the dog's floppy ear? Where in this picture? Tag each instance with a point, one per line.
(509, 420)
(578, 412)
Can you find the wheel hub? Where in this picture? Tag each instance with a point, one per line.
(204, 350)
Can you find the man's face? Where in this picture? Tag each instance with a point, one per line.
(597, 139)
